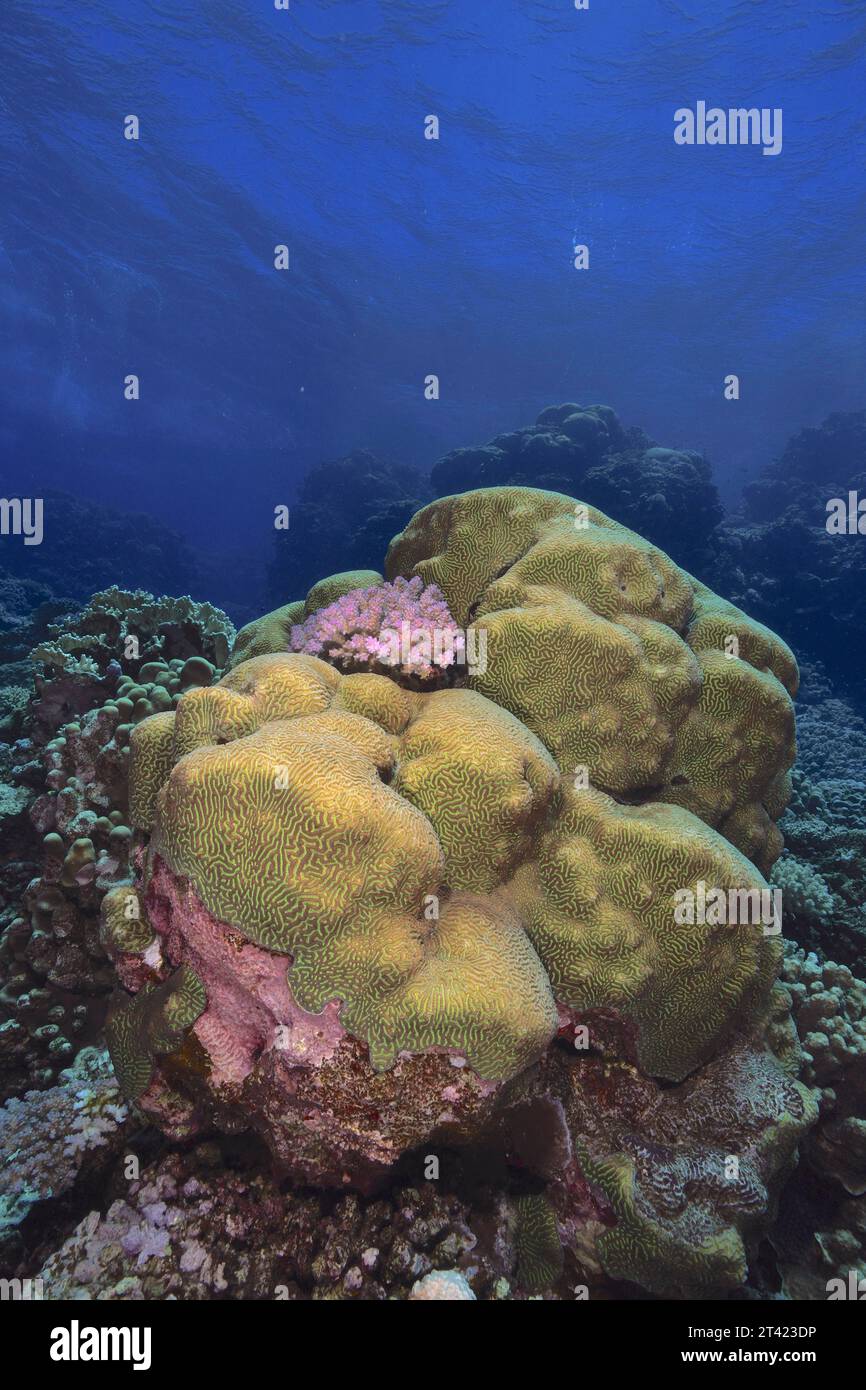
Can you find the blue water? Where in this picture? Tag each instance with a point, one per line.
(410, 256)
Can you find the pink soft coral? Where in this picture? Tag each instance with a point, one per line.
(402, 627)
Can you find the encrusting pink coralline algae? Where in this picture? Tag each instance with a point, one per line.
(402, 625)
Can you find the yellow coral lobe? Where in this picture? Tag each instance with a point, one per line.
(151, 757)
(430, 861)
(354, 871)
(268, 634)
(613, 656)
(599, 905)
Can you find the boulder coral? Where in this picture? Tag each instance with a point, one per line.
(367, 917)
(617, 659)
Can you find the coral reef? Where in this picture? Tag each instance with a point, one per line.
(824, 865)
(816, 464)
(50, 1139)
(391, 953)
(409, 948)
(829, 1009)
(124, 633)
(779, 561)
(818, 1239)
(191, 1227)
(807, 899)
(65, 813)
(26, 608)
(129, 549)
(818, 1245)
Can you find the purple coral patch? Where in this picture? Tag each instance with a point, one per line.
(404, 626)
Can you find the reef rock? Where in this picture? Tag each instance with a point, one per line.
(780, 562)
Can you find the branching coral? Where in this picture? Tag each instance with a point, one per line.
(404, 626)
(805, 893)
(829, 1007)
(273, 631)
(70, 841)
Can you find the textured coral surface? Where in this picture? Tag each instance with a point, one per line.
(366, 926)
(615, 657)
(369, 919)
(409, 878)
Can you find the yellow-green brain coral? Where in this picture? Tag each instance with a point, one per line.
(473, 868)
(421, 858)
(617, 659)
(280, 810)
(424, 859)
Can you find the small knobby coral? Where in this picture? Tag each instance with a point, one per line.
(405, 626)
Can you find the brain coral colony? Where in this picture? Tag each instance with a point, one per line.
(402, 889)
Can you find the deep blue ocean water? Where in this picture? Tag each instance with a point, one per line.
(411, 256)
